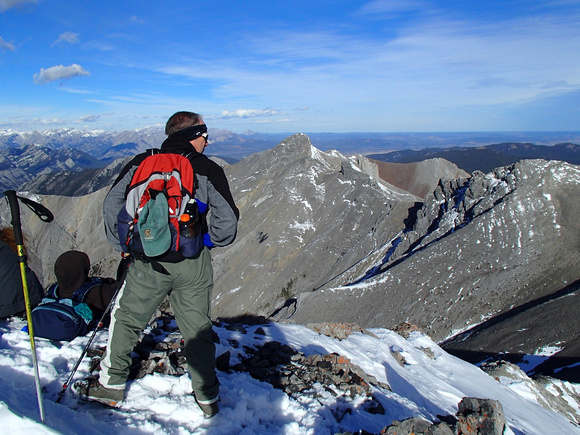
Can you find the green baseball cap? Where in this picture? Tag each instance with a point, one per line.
(153, 224)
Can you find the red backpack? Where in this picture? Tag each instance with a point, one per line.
(160, 192)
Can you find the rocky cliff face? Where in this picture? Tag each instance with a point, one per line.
(77, 224)
(477, 248)
(307, 216)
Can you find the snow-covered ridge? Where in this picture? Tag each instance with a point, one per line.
(56, 132)
(423, 381)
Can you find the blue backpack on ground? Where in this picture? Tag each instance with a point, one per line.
(64, 319)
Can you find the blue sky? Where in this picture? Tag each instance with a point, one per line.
(300, 66)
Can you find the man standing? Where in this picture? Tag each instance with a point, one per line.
(187, 281)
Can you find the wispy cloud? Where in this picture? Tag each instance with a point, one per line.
(6, 45)
(76, 91)
(89, 118)
(135, 19)
(428, 70)
(387, 7)
(59, 72)
(48, 121)
(9, 4)
(67, 37)
(100, 45)
(441, 62)
(249, 113)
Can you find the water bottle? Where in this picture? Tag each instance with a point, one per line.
(188, 227)
(192, 210)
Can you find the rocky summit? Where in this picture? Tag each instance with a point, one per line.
(306, 217)
(484, 263)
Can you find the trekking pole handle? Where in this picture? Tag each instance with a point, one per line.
(15, 211)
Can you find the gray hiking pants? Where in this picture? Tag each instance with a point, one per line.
(189, 286)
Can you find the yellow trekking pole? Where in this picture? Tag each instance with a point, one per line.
(46, 216)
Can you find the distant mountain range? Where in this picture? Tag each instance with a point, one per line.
(31, 160)
(107, 146)
(486, 158)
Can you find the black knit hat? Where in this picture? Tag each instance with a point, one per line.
(71, 269)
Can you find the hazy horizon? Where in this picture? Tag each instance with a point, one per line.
(289, 132)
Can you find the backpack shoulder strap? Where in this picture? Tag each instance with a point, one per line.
(133, 165)
(81, 293)
(192, 155)
(51, 291)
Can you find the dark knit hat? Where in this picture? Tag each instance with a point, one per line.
(71, 269)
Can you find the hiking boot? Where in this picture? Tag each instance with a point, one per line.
(209, 407)
(92, 389)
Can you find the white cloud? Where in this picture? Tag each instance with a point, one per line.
(59, 72)
(9, 4)
(6, 45)
(68, 37)
(89, 118)
(249, 113)
(47, 121)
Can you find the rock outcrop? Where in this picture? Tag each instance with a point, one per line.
(475, 416)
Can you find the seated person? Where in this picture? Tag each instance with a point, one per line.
(12, 294)
(72, 269)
